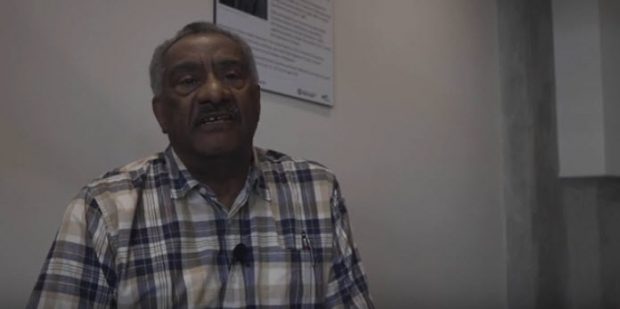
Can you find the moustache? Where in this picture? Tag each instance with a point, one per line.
(216, 112)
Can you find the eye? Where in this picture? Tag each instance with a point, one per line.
(188, 81)
(232, 76)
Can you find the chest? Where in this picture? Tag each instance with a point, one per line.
(184, 253)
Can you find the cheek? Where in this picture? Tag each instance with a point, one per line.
(251, 112)
(178, 111)
(250, 105)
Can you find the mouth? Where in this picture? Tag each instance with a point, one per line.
(211, 118)
(216, 119)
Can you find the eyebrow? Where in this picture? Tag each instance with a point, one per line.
(225, 63)
(193, 65)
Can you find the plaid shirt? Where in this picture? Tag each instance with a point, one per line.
(149, 235)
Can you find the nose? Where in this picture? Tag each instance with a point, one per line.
(213, 90)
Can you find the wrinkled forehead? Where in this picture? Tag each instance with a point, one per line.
(204, 48)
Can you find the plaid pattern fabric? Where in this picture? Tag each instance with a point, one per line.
(148, 235)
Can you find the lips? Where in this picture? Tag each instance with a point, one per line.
(216, 117)
(206, 119)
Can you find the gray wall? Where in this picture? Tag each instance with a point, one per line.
(590, 213)
(592, 207)
(535, 233)
(414, 135)
(562, 233)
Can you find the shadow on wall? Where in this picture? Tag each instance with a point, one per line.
(593, 215)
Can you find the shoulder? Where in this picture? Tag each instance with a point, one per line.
(275, 162)
(131, 176)
(114, 196)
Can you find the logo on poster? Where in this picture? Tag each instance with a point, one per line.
(305, 93)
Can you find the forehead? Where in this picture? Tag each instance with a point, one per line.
(203, 47)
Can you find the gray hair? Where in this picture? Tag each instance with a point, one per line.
(157, 69)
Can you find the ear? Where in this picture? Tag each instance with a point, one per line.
(160, 113)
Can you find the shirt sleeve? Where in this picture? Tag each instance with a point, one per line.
(79, 269)
(347, 286)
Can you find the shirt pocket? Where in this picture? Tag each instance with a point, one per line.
(293, 255)
(286, 272)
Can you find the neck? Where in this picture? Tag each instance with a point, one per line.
(225, 174)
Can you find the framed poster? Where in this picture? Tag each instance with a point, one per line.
(292, 42)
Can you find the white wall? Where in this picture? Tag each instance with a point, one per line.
(587, 44)
(579, 86)
(414, 135)
(610, 49)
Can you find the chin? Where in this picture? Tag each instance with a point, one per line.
(219, 150)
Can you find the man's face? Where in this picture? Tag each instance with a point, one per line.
(210, 104)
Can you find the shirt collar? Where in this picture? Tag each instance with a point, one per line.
(182, 181)
(259, 164)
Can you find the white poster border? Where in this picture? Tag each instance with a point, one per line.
(292, 43)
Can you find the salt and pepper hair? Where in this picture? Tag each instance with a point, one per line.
(157, 69)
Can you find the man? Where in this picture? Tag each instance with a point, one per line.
(211, 222)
